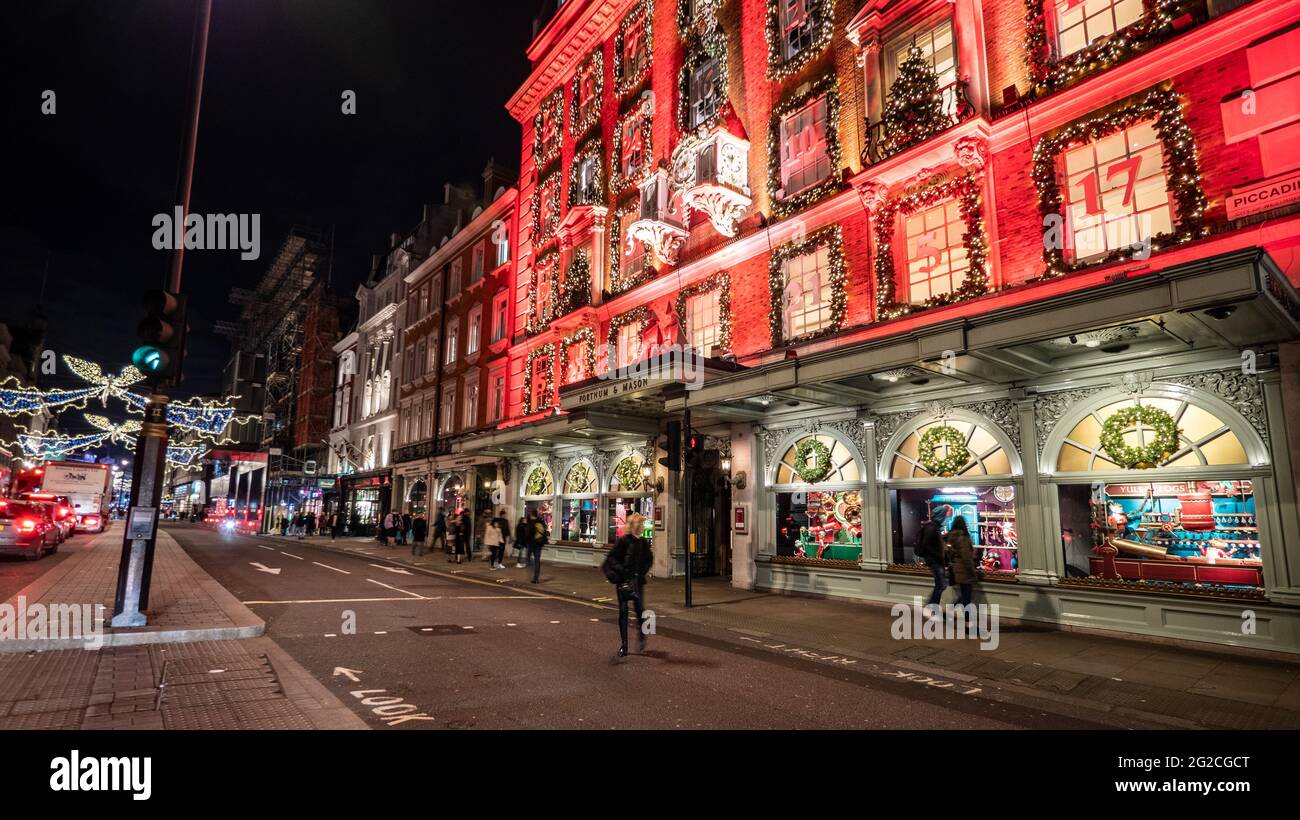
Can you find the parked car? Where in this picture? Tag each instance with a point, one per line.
(60, 509)
(27, 529)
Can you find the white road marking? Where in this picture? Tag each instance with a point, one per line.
(381, 633)
(511, 624)
(467, 627)
(391, 569)
(327, 566)
(330, 635)
(265, 568)
(555, 622)
(291, 555)
(350, 674)
(272, 549)
(395, 589)
(334, 601)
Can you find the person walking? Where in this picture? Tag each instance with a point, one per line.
(440, 531)
(494, 539)
(311, 524)
(336, 524)
(523, 535)
(406, 528)
(626, 567)
(502, 525)
(929, 548)
(454, 536)
(419, 531)
(539, 539)
(386, 527)
(961, 556)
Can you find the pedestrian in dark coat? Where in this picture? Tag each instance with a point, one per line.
(523, 537)
(419, 531)
(540, 536)
(929, 548)
(961, 556)
(440, 531)
(626, 567)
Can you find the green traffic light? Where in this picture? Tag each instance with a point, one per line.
(149, 359)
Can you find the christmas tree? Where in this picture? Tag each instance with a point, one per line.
(913, 106)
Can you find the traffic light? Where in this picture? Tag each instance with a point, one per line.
(695, 452)
(163, 335)
(672, 446)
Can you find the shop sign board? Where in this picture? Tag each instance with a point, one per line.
(1280, 190)
(1162, 489)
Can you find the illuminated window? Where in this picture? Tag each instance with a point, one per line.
(805, 158)
(502, 239)
(796, 27)
(498, 397)
(937, 262)
(475, 330)
(1116, 194)
(476, 267)
(939, 48)
(704, 96)
(987, 457)
(588, 100)
(806, 294)
(431, 364)
(471, 405)
(453, 341)
(635, 55)
(447, 418)
(629, 343)
(843, 467)
(500, 316)
(1080, 22)
(575, 363)
(1203, 440)
(542, 293)
(632, 145)
(454, 279)
(548, 212)
(703, 320)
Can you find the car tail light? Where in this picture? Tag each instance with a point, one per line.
(92, 521)
(27, 525)
(63, 512)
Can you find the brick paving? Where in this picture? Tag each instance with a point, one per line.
(1178, 684)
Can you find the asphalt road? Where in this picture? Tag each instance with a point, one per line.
(416, 650)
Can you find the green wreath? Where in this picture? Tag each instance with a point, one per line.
(958, 456)
(628, 473)
(821, 466)
(536, 484)
(1164, 443)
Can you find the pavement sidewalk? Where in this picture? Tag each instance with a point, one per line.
(1106, 677)
(197, 665)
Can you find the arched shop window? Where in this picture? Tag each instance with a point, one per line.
(819, 500)
(955, 466)
(417, 497)
(579, 503)
(629, 492)
(1162, 495)
(539, 495)
(452, 497)
(987, 455)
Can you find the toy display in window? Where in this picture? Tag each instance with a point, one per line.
(834, 527)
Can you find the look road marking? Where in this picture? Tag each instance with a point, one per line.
(391, 709)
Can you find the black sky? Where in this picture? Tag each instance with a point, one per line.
(81, 187)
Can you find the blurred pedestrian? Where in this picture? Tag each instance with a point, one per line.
(440, 531)
(929, 548)
(336, 524)
(454, 536)
(539, 537)
(494, 538)
(406, 528)
(626, 567)
(961, 557)
(419, 531)
(523, 536)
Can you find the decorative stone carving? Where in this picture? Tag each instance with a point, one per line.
(711, 169)
(1003, 413)
(971, 152)
(665, 240)
(1049, 408)
(873, 195)
(1237, 389)
(1135, 382)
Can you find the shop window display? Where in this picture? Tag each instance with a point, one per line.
(538, 496)
(628, 493)
(820, 524)
(1192, 534)
(579, 504)
(989, 512)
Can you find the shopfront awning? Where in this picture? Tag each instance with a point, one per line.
(580, 428)
(1227, 303)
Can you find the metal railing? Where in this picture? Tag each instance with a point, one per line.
(882, 145)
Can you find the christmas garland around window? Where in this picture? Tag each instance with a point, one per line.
(704, 10)
(786, 205)
(822, 14)
(622, 280)
(546, 264)
(832, 238)
(578, 124)
(1149, 455)
(619, 184)
(624, 83)
(591, 149)
(958, 456)
(550, 187)
(552, 109)
(1155, 25)
(639, 315)
(700, 48)
(718, 281)
(821, 465)
(582, 336)
(547, 352)
(575, 290)
(1182, 172)
(966, 189)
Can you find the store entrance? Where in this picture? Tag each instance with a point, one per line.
(710, 519)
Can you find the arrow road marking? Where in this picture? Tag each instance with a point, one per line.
(391, 569)
(264, 568)
(350, 674)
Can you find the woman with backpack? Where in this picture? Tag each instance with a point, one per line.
(625, 567)
(961, 557)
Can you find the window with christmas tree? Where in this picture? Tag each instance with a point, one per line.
(914, 109)
(938, 46)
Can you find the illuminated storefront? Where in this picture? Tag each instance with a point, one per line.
(579, 504)
(629, 492)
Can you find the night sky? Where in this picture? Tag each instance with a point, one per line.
(81, 187)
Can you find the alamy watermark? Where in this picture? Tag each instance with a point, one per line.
(948, 622)
(47, 622)
(674, 362)
(209, 232)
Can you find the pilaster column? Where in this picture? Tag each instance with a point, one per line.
(1035, 539)
(744, 447)
(968, 23)
(1282, 550)
(600, 261)
(876, 543)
